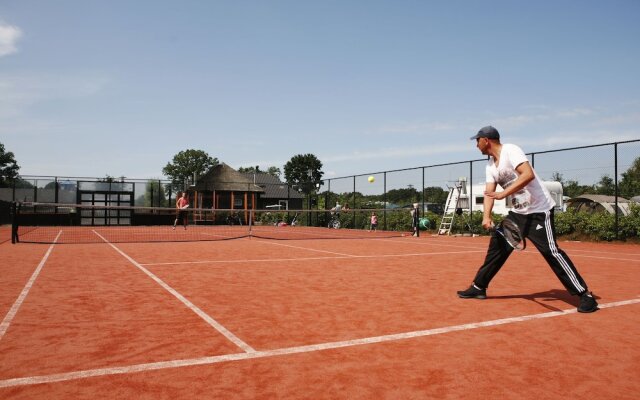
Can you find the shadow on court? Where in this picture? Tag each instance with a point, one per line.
(546, 298)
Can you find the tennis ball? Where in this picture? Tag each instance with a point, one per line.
(371, 179)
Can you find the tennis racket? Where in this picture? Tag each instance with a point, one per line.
(511, 234)
(183, 207)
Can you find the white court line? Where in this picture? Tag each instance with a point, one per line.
(25, 291)
(604, 252)
(68, 376)
(571, 252)
(305, 248)
(573, 255)
(313, 258)
(422, 243)
(215, 324)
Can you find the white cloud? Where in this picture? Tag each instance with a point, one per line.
(630, 119)
(574, 113)
(19, 91)
(399, 152)
(418, 127)
(9, 36)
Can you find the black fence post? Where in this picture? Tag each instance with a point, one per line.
(353, 202)
(471, 199)
(384, 178)
(423, 196)
(14, 223)
(617, 193)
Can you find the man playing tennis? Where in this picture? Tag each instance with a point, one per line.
(532, 212)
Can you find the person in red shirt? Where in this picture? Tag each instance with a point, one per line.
(181, 204)
(374, 221)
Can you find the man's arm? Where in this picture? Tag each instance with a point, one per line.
(525, 175)
(487, 221)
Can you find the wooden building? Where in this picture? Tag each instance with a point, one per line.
(277, 194)
(224, 188)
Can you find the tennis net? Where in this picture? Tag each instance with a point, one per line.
(79, 223)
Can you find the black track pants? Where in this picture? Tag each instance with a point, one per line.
(538, 228)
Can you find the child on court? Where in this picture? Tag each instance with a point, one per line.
(374, 221)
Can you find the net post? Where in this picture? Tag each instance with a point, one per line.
(250, 221)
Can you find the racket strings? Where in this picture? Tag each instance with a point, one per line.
(511, 233)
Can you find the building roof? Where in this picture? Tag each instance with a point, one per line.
(598, 203)
(273, 187)
(223, 177)
(598, 198)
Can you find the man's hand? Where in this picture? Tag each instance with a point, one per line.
(487, 223)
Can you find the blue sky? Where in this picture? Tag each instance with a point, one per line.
(95, 88)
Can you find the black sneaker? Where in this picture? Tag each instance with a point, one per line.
(587, 303)
(473, 292)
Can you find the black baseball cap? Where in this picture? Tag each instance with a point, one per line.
(488, 132)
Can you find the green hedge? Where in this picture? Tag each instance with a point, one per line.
(570, 224)
(599, 226)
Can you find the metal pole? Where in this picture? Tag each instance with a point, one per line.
(615, 156)
(423, 199)
(471, 199)
(385, 200)
(353, 216)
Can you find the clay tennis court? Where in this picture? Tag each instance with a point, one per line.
(342, 318)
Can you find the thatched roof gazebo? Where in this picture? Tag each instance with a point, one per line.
(224, 188)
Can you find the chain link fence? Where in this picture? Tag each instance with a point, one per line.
(609, 169)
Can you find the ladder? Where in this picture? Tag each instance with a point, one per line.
(454, 199)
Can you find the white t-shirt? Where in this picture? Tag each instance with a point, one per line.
(530, 199)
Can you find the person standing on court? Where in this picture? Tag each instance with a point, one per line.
(374, 221)
(415, 219)
(181, 204)
(532, 212)
(336, 210)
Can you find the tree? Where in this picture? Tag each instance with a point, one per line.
(606, 186)
(435, 194)
(110, 179)
(154, 194)
(8, 166)
(248, 170)
(186, 165)
(304, 172)
(403, 196)
(273, 171)
(629, 185)
(572, 188)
